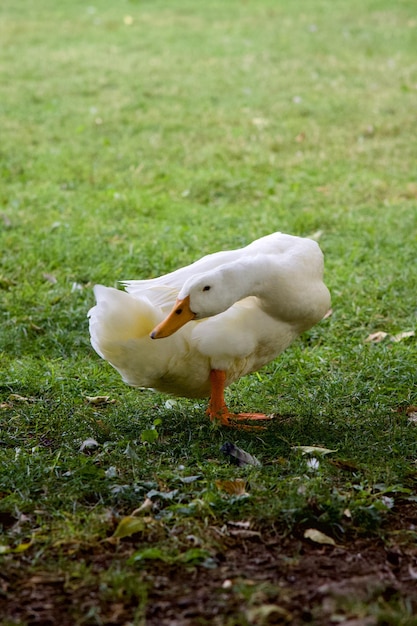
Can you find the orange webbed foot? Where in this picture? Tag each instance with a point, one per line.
(218, 411)
(236, 420)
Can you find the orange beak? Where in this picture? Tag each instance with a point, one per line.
(180, 315)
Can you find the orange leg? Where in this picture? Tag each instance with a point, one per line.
(217, 409)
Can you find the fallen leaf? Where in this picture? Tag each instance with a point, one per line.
(18, 398)
(21, 547)
(318, 537)
(236, 487)
(145, 507)
(195, 556)
(98, 400)
(36, 328)
(377, 337)
(343, 464)
(380, 335)
(129, 526)
(149, 435)
(269, 614)
(260, 122)
(239, 456)
(245, 534)
(240, 524)
(50, 278)
(153, 553)
(313, 450)
(404, 335)
(411, 412)
(44, 578)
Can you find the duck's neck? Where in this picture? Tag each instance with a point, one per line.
(240, 280)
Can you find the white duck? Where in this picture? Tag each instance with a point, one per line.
(221, 317)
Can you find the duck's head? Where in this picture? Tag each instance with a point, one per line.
(180, 315)
(202, 296)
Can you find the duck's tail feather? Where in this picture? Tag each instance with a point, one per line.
(118, 317)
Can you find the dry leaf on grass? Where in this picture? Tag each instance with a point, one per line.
(50, 278)
(377, 337)
(36, 328)
(15, 397)
(404, 335)
(245, 534)
(236, 487)
(269, 614)
(328, 314)
(44, 578)
(260, 122)
(411, 412)
(100, 400)
(245, 524)
(313, 450)
(146, 506)
(345, 464)
(318, 537)
(380, 335)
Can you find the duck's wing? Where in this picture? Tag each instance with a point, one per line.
(163, 291)
(159, 295)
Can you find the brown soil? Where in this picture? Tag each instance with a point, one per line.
(258, 579)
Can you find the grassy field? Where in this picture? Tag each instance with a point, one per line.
(134, 138)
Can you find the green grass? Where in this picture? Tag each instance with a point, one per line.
(136, 137)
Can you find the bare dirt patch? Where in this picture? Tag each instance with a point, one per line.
(263, 579)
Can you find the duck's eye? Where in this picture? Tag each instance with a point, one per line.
(206, 288)
(178, 311)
